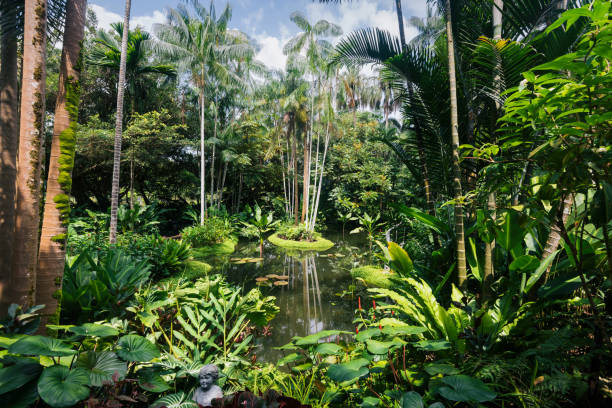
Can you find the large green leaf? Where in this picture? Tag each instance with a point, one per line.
(433, 345)
(382, 347)
(102, 366)
(15, 376)
(510, 235)
(430, 221)
(463, 388)
(150, 380)
(178, 400)
(94, 330)
(23, 397)
(400, 261)
(136, 348)
(60, 386)
(314, 338)
(411, 400)
(348, 372)
(290, 358)
(41, 346)
(402, 330)
(366, 334)
(329, 348)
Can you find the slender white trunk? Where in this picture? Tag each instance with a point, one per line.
(202, 160)
(316, 208)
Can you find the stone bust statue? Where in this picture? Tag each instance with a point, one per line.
(208, 390)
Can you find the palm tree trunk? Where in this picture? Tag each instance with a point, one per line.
(488, 273)
(31, 152)
(222, 186)
(51, 255)
(202, 158)
(554, 236)
(459, 232)
(212, 164)
(295, 175)
(316, 207)
(119, 125)
(9, 141)
(306, 178)
(400, 21)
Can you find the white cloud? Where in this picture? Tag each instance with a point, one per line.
(105, 18)
(271, 51)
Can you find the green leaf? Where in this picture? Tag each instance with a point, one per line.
(101, 366)
(411, 400)
(150, 380)
(302, 367)
(60, 386)
(525, 263)
(41, 346)
(535, 276)
(433, 345)
(400, 261)
(366, 334)
(430, 221)
(348, 372)
(290, 358)
(380, 347)
(136, 348)
(463, 388)
(15, 376)
(436, 368)
(510, 235)
(23, 397)
(329, 348)
(178, 400)
(370, 402)
(314, 338)
(94, 330)
(402, 330)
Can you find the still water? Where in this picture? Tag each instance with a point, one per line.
(319, 294)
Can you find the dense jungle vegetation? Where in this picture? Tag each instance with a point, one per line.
(474, 160)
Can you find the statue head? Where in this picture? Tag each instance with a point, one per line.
(208, 376)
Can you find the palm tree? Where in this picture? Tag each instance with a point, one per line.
(119, 125)
(316, 50)
(51, 254)
(459, 230)
(9, 137)
(138, 66)
(25, 254)
(203, 45)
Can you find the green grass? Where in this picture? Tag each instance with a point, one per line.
(373, 276)
(320, 243)
(224, 248)
(193, 270)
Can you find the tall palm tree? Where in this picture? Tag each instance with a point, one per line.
(9, 136)
(203, 45)
(138, 66)
(119, 125)
(51, 255)
(25, 254)
(316, 49)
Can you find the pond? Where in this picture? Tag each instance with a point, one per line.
(319, 294)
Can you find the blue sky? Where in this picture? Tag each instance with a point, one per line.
(267, 21)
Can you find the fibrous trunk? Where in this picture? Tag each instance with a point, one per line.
(51, 254)
(31, 139)
(9, 141)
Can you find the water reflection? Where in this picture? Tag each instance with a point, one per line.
(309, 302)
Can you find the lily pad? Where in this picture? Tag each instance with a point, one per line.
(60, 386)
(41, 346)
(136, 348)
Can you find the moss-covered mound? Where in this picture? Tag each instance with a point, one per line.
(373, 276)
(224, 248)
(193, 270)
(319, 244)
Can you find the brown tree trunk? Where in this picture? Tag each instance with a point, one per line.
(554, 236)
(119, 125)
(459, 232)
(31, 145)
(51, 255)
(9, 141)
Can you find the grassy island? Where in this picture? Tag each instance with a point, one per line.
(319, 243)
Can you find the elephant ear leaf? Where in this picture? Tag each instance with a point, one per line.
(15, 376)
(41, 346)
(411, 400)
(348, 372)
(462, 388)
(136, 348)
(94, 330)
(60, 386)
(102, 366)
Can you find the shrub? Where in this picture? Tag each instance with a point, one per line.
(296, 233)
(213, 231)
